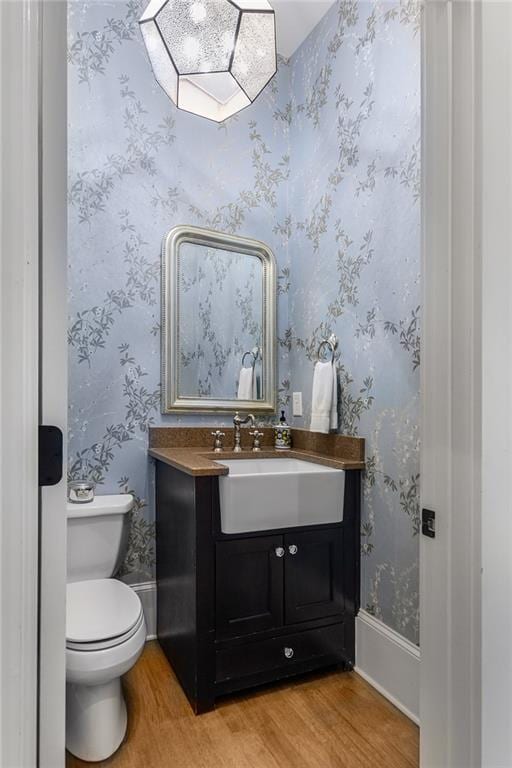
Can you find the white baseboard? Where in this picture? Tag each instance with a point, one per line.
(146, 590)
(389, 662)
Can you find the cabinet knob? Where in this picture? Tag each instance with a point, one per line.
(279, 551)
(288, 652)
(293, 549)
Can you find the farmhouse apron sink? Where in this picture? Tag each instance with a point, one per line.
(263, 494)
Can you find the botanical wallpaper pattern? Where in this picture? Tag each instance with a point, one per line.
(323, 167)
(354, 243)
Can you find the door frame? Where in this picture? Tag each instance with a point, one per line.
(496, 278)
(33, 368)
(449, 602)
(19, 351)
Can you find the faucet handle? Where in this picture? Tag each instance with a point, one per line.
(217, 443)
(256, 445)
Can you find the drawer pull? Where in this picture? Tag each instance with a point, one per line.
(288, 652)
(279, 551)
(293, 549)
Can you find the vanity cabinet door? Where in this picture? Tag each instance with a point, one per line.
(249, 585)
(313, 575)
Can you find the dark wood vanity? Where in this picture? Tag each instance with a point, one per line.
(239, 610)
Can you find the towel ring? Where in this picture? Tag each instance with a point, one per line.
(332, 343)
(253, 359)
(254, 353)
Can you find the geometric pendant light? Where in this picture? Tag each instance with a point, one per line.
(211, 57)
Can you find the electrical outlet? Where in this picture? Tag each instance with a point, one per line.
(297, 403)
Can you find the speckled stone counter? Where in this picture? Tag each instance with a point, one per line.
(189, 449)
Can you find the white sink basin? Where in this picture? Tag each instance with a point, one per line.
(263, 494)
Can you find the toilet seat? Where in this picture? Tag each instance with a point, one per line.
(101, 614)
(101, 645)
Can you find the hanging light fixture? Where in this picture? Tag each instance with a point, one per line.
(211, 57)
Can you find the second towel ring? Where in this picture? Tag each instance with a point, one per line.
(332, 343)
(254, 353)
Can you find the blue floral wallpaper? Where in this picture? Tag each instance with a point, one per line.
(323, 167)
(354, 243)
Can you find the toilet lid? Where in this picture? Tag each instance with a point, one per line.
(100, 609)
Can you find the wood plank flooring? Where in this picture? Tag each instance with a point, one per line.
(330, 720)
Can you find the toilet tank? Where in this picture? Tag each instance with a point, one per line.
(97, 536)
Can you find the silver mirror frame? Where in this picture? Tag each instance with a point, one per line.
(172, 402)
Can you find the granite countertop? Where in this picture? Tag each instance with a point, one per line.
(185, 449)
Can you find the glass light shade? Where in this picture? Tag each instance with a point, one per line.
(211, 57)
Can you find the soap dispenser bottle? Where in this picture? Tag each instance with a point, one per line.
(282, 435)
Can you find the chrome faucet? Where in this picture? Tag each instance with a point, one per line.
(237, 423)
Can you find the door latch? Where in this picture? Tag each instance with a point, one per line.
(428, 523)
(50, 455)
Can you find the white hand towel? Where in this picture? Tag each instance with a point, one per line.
(324, 400)
(245, 384)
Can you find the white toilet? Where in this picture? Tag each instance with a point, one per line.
(105, 627)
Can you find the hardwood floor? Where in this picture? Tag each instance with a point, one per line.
(329, 720)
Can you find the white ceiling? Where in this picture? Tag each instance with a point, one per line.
(295, 19)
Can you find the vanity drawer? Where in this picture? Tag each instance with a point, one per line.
(283, 651)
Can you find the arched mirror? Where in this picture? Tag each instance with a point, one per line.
(218, 322)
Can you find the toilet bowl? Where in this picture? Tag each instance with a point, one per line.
(105, 629)
(106, 633)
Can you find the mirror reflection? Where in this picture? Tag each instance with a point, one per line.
(221, 296)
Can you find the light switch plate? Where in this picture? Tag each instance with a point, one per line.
(297, 403)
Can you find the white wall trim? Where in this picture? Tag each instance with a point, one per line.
(146, 590)
(389, 662)
(451, 382)
(19, 370)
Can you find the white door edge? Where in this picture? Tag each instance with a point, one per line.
(32, 261)
(53, 377)
(496, 267)
(19, 343)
